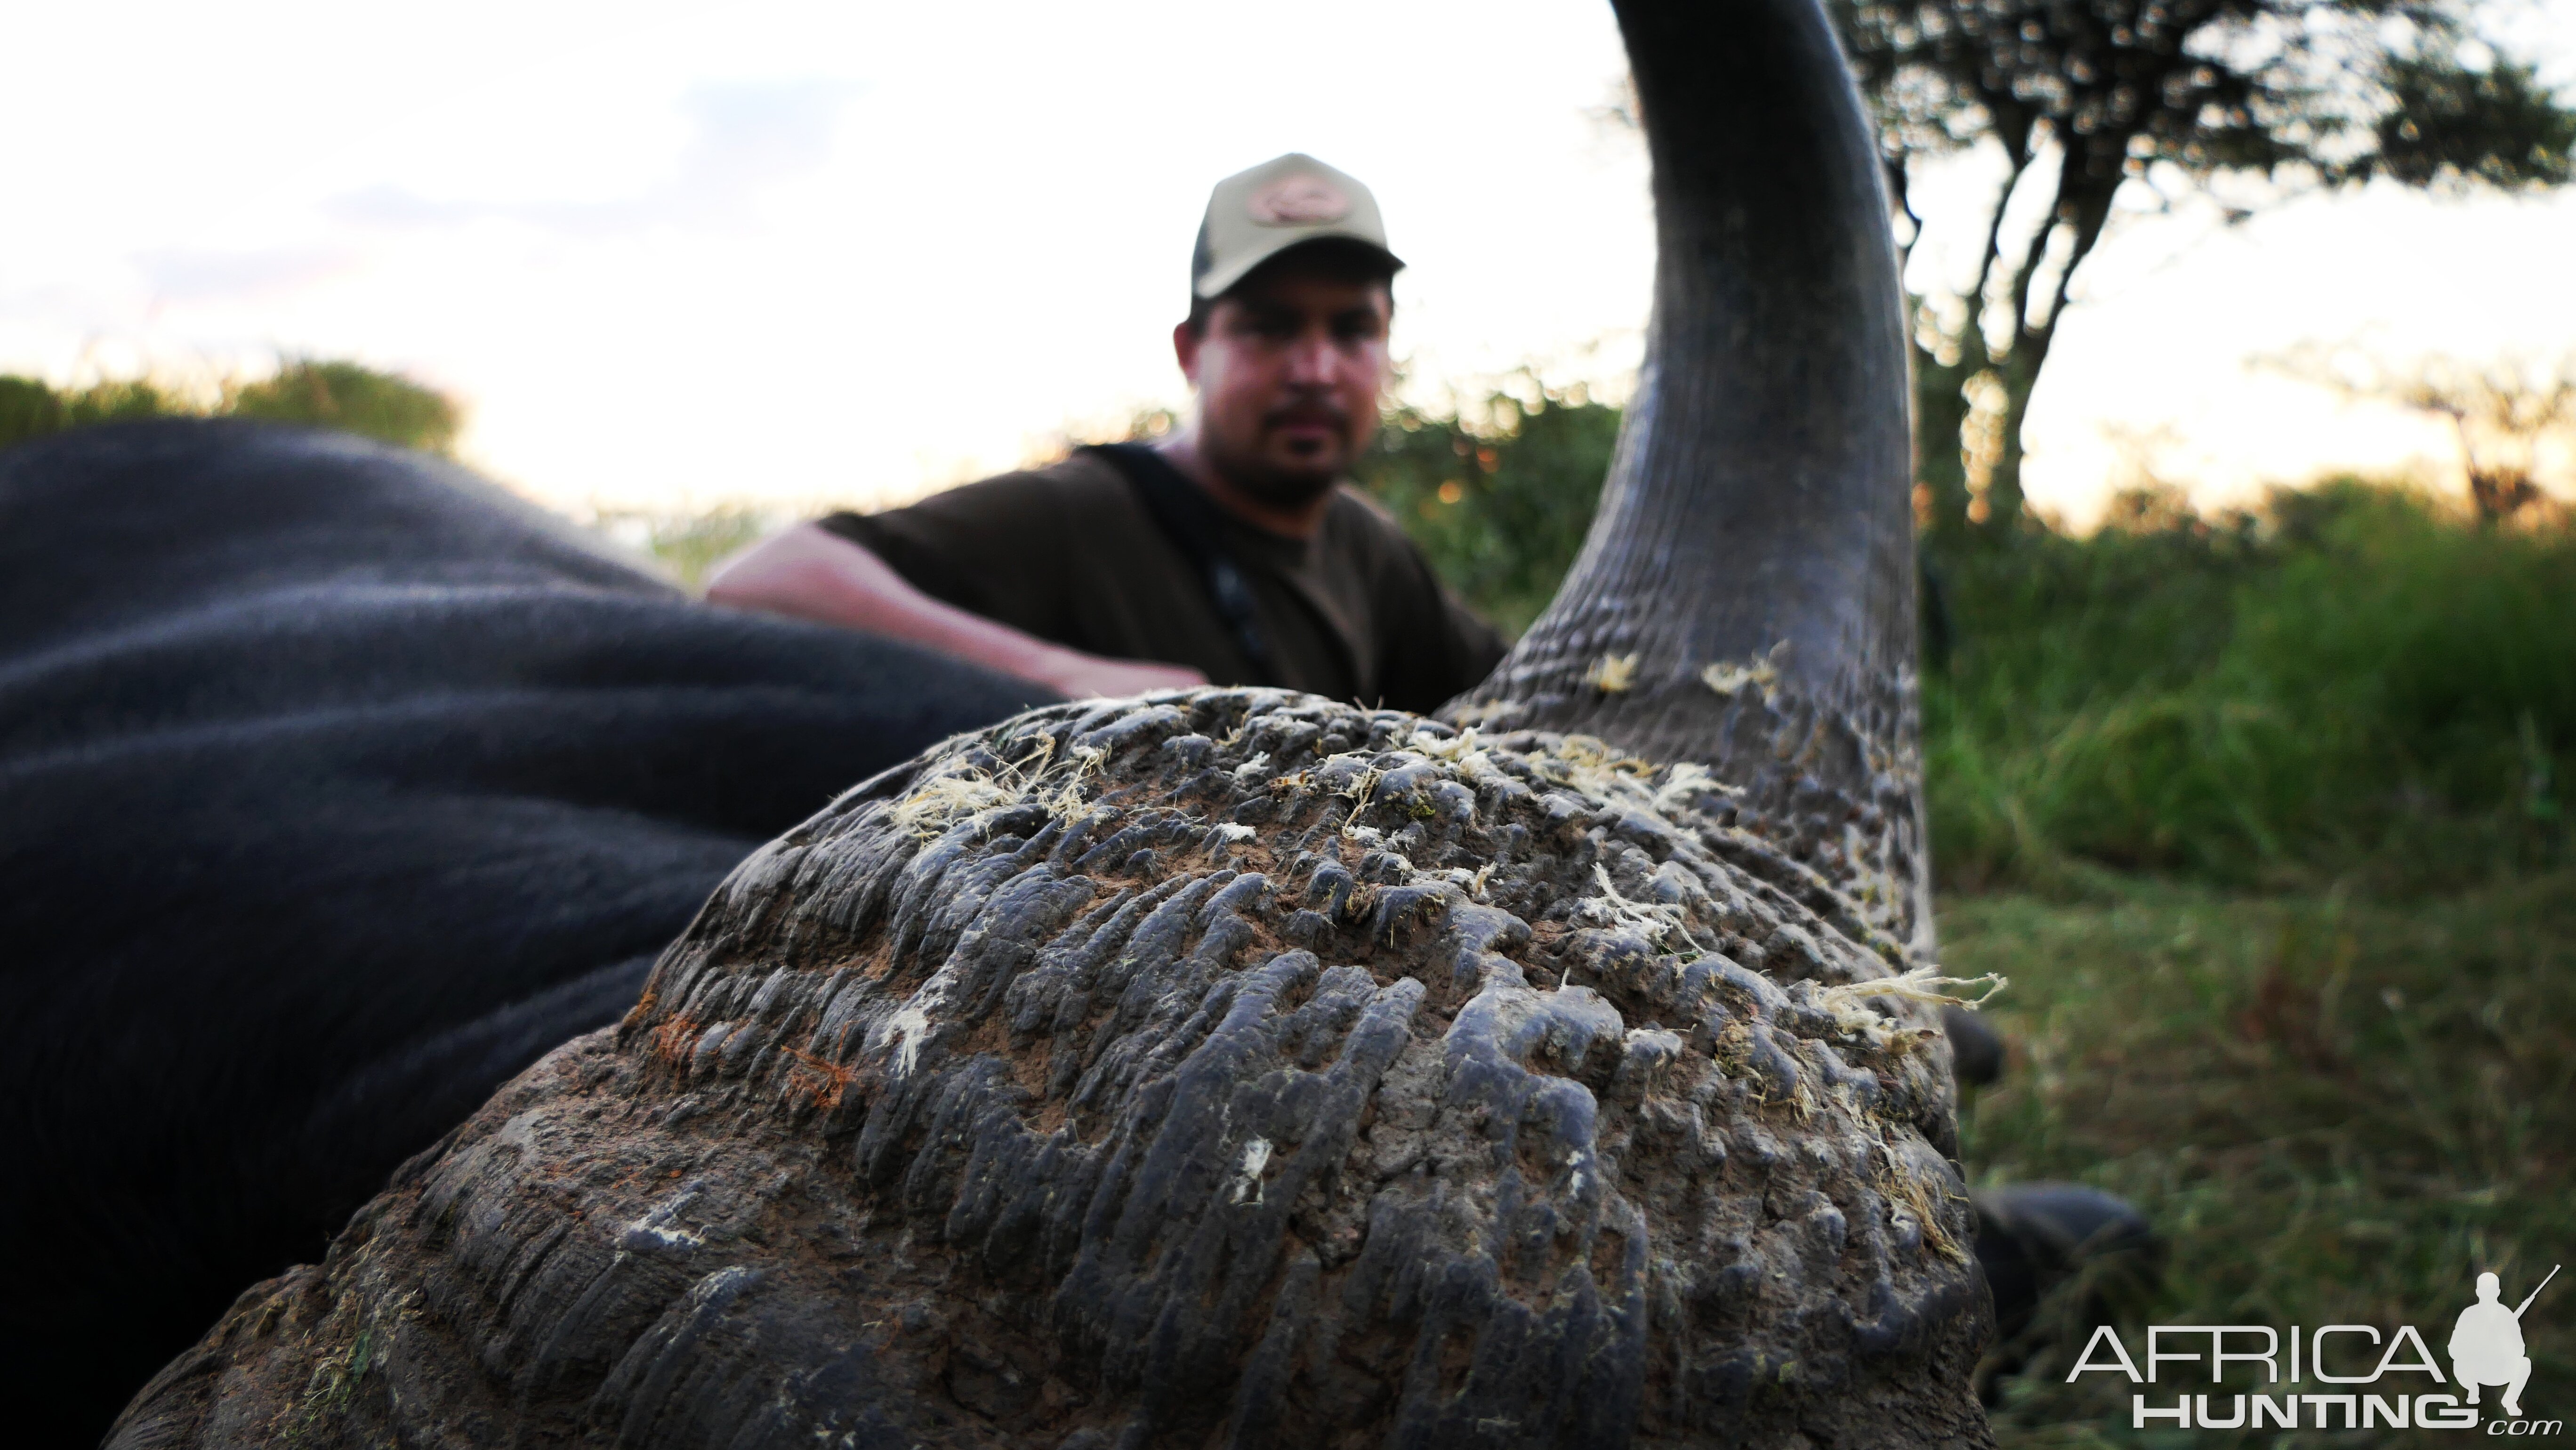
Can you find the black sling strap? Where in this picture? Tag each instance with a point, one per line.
(1189, 519)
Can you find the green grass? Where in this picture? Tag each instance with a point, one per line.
(2337, 1108)
(2354, 683)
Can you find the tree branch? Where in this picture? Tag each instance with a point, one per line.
(2088, 227)
(2019, 158)
(2028, 267)
(1899, 187)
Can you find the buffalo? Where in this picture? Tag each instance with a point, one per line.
(1227, 1066)
(335, 788)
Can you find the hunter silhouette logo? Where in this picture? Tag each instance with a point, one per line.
(2486, 1345)
(2351, 1392)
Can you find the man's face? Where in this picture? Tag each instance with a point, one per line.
(1288, 373)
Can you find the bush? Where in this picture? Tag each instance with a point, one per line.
(687, 543)
(2350, 679)
(29, 409)
(341, 395)
(1500, 507)
(354, 399)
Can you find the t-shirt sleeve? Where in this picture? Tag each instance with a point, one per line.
(1480, 646)
(1438, 648)
(994, 548)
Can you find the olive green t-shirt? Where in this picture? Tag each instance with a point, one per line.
(1069, 553)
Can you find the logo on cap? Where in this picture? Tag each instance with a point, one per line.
(1299, 201)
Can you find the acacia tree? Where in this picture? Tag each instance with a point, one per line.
(2087, 97)
(2506, 413)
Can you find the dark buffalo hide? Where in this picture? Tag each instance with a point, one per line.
(335, 788)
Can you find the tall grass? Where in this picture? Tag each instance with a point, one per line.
(2351, 680)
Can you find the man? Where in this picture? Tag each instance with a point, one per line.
(1232, 551)
(2486, 1345)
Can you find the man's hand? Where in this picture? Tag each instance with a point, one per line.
(812, 573)
(1080, 676)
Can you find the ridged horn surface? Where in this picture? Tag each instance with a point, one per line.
(1745, 599)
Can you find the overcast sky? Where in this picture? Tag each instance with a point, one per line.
(678, 254)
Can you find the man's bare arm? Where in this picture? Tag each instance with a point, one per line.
(812, 573)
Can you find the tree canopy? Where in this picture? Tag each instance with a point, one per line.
(2086, 97)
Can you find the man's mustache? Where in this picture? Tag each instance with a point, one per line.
(1323, 409)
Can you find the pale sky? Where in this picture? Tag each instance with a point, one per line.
(673, 254)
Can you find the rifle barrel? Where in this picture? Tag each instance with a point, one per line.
(2535, 1290)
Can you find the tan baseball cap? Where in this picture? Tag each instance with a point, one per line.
(1253, 216)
